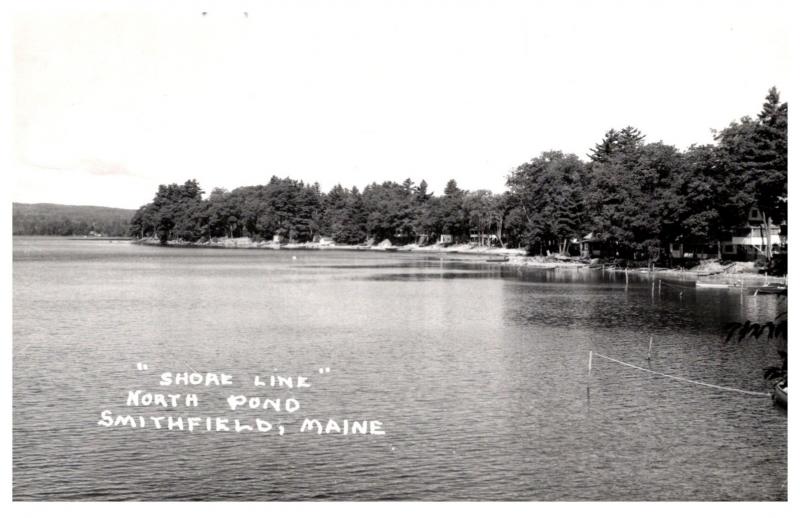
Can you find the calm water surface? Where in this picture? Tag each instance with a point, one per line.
(478, 372)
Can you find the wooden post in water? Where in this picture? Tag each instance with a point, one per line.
(649, 349)
(590, 363)
(659, 286)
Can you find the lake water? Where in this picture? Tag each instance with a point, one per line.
(477, 371)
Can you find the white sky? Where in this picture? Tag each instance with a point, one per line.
(110, 103)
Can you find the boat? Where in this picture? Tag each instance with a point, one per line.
(498, 260)
(780, 394)
(771, 289)
(390, 249)
(716, 285)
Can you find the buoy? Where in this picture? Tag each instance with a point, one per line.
(294, 258)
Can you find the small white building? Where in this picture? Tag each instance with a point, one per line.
(479, 239)
(445, 239)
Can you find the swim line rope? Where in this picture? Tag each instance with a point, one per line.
(748, 392)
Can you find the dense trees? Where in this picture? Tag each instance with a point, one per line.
(176, 212)
(283, 207)
(631, 199)
(390, 211)
(635, 196)
(549, 190)
(344, 218)
(639, 197)
(49, 219)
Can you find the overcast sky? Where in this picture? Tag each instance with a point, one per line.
(109, 104)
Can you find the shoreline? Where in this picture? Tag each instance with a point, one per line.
(247, 244)
(515, 257)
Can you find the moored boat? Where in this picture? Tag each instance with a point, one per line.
(715, 285)
(771, 289)
(498, 260)
(780, 394)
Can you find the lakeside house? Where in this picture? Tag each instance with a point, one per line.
(746, 243)
(752, 239)
(476, 238)
(592, 247)
(693, 250)
(445, 239)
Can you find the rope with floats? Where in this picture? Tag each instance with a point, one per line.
(678, 378)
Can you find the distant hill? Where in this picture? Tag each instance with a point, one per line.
(52, 219)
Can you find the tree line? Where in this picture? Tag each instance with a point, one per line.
(635, 197)
(49, 219)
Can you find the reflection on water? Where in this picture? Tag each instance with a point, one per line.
(479, 372)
